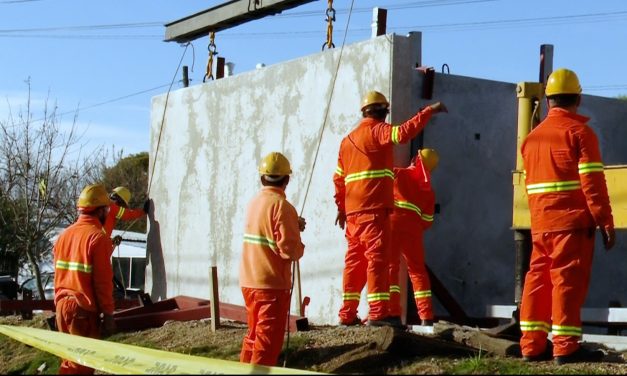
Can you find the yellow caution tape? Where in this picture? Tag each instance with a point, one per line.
(119, 358)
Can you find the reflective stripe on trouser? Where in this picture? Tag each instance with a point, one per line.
(556, 287)
(366, 262)
(407, 240)
(266, 311)
(74, 320)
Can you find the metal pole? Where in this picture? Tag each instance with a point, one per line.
(220, 68)
(185, 76)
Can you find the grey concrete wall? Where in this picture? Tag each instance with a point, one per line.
(470, 246)
(205, 158)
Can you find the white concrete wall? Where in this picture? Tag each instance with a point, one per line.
(206, 155)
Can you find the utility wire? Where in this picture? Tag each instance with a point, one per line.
(79, 109)
(165, 107)
(412, 5)
(459, 26)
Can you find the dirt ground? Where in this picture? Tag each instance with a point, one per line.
(329, 349)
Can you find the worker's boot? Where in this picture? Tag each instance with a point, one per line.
(547, 354)
(393, 321)
(581, 355)
(426, 322)
(355, 322)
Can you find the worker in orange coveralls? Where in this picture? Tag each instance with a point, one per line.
(271, 243)
(568, 200)
(119, 209)
(83, 278)
(364, 195)
(414, 206)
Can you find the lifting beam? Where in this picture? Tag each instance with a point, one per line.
(226, 15)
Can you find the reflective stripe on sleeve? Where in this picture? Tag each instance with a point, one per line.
(370, 174)
(260, 240)
(585, 168)
(558, 186)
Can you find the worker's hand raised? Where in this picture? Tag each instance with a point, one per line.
(438, 107)
(301, 224)
(609, 237)
(340, 220)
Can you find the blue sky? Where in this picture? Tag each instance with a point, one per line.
(108, 58)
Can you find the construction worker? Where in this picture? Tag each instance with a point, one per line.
(119, 209)
(271, 243)
(568, 200)
(364, 195)
(83, 279)
(414, 206)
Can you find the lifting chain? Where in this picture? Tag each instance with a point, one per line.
(330, 18)
(212, 52)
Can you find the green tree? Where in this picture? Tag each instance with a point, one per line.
(131, 172)
(42, 171)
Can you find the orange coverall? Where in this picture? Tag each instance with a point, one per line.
(364, 191)
(83, 282)
(414, 205)
(117, 212)
(568, 199)
(271, 242)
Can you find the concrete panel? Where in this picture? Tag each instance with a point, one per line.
(470, 246)
(206, 168)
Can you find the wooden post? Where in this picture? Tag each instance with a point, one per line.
(220, 68)
(27, 298)
(379, 21)
(215, 301)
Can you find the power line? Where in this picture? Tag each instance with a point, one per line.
(411, 5)
(459, 26)
(134, 25)
(17, 1)
(79, 109)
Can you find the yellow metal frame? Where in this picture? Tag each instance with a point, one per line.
(529, 96)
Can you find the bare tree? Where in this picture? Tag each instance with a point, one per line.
(42, 170)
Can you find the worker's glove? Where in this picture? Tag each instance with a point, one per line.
(147, 206)
(116, 240)
(609, 237)
(108, 325)
(340, 220)
(438, 107)
(301, 224)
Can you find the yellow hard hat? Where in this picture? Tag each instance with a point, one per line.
(374, 97)
(429, 158)
(275, 163)
(93, 196)
(562, 81)
(123, 193)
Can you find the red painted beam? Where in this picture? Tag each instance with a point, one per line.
(48, 305)
(185, 308)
